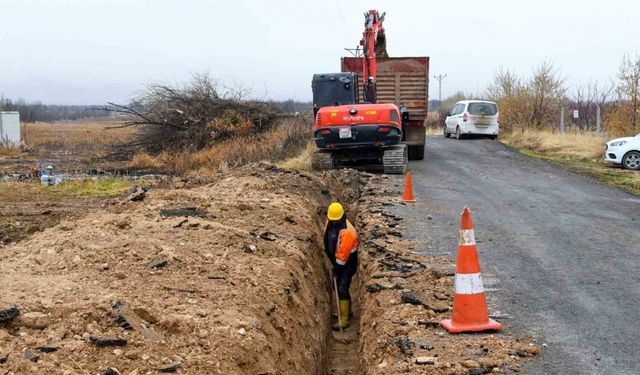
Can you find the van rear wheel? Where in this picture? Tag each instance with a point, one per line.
(458, 135)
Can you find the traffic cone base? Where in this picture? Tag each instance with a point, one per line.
(407, 194)
(452, 327)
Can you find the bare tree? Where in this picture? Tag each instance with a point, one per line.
(587, 98)
(629, 84)
(505, 84)
(512, 96)
(547, 91)
(450, 101)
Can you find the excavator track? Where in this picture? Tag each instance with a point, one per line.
(321, 161)
(395, 159)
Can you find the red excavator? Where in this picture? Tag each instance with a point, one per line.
(365, 134)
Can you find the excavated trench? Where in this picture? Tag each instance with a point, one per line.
(342, 355)
(227, 277)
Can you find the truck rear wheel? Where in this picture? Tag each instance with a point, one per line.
(416, 152)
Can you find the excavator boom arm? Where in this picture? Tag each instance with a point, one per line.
(373, 30)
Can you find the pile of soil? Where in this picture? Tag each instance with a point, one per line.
(403, 297)
(225, 278)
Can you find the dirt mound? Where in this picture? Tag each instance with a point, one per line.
(225, 278)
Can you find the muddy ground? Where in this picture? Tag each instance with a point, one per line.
(229, 277)
(28, 209)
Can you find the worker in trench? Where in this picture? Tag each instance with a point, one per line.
(341, 246)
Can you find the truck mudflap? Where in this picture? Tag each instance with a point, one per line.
(416, 139)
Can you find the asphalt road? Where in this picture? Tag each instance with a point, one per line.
(559, 252)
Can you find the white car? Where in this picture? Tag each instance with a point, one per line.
(472, 117)
(624, 151)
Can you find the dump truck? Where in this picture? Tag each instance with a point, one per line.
(403, 81)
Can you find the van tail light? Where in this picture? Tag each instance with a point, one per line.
(384, 129)
(465, 117)
(325, 131)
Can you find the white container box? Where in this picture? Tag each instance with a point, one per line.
(10, 127)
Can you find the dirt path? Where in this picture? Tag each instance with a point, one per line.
(559, 251)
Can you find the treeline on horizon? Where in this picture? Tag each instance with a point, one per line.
(39, 112)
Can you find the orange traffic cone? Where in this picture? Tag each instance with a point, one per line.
(407, 195)
(470, 312)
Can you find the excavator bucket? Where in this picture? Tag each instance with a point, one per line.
(381, 45)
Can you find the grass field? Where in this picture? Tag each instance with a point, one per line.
(580, 152)
(95, 134)
(71, 147)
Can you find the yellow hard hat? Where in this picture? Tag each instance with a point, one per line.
(335, 211)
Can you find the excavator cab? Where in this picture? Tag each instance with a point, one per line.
(333, 89)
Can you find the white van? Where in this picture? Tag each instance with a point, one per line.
(472, 117)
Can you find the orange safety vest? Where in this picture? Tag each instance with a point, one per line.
(347, 243)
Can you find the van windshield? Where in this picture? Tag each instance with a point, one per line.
(483, 109)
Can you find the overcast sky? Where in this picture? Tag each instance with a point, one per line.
(94, 51)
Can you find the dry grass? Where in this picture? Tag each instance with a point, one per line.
(580, 152)
(434, 131)
(73, 134)
(279, 143)
(9, 150)
(75, 146)
(569, 145)
(71, 146)
(301, 162)
(144, 161)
